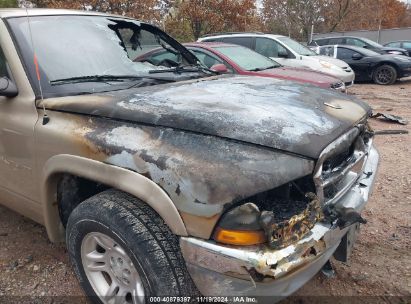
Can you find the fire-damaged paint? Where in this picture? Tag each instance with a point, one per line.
(267, 112)
(173, 159)
(172, 133)
(217, 152)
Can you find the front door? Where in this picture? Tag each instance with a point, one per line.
(18, 117)
(360, 64)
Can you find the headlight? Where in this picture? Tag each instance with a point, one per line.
(340, 86)
(241, 238)
(326, 64)
(402, 59)
(278, 217)
(395, 52)
(240, 226)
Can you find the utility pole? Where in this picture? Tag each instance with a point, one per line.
(379, 32)
(379, 16)
(312, 32)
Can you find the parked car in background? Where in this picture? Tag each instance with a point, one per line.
(236, 59)
(369, 65)
(404, 44)
(360, 42)
(287, 52)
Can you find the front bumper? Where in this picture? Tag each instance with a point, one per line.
(346, 77)
(405, 70)
(349, 84)
(221, 270)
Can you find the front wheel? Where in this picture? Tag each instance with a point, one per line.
(123, 252)
(385, 74)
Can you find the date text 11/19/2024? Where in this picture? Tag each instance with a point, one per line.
(202, 299)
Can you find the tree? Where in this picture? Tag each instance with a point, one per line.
(406, 22)
(373, 14)
(8, 3)
(146, 10)
(335, 12)
(206, 16)
(293, 16)
(277, 17)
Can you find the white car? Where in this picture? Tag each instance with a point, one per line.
(287, 52)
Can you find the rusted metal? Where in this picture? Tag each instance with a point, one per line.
(192, 150)
(173, 159)
(390, 132)
(390, 118)
(287, 232)
(261, 263)
(264, 132)
(340, 177)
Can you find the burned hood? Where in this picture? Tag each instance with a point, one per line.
(278, 114)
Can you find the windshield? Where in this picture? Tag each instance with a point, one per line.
(246, 58)
(372, 43)
(77, 47)
(297, 47)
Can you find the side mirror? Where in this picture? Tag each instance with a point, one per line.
(282, 53)
(219, 68)
(356, 56)
(7, 87)
(365, 46)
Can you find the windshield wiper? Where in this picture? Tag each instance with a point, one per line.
(266, 68)
(95, 78)
(184, 69)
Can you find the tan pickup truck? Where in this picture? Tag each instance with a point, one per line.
(166, 179)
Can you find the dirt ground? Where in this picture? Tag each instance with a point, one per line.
(380, 266)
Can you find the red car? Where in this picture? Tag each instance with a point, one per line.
(230, 58)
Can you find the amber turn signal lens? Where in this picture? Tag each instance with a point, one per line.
(239, 237)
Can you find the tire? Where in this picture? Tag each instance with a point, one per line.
(113, 227)
(384, 74)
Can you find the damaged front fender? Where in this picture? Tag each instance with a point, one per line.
(261, 270)
(203, 175)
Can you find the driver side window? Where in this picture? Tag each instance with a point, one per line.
(157, 58)
(208, 60)
(343, 53)
(268, 47)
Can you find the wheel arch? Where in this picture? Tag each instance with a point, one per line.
(385, 63)
(112, 176)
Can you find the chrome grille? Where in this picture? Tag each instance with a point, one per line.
(340, 165)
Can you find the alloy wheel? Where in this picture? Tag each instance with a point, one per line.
(110, 270)
(384, 75)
